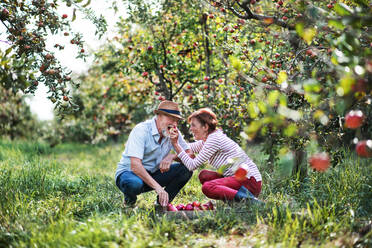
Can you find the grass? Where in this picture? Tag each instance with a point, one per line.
(66, 197)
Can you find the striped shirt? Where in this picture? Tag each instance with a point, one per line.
(217, 150)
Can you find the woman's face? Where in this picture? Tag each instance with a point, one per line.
(199, 131)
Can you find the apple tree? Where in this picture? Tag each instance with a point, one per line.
(26, 61)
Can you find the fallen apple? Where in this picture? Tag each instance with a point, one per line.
(208, 206)
(171, 208)
(196, 204)
(180, 207)
(189, 207)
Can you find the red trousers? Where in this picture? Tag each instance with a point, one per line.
(217, 187)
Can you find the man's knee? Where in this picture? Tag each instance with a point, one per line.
(131, 185)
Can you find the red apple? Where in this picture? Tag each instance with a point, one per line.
(189, 207)
(364, 148)
(156, 93)
(149, 48)
(206, 78)
(280, 2)
(354, 119)
(285, 18)
(180, 207)
(252, 42)
(320, 161)
(171, 208)
(264, 79)
(145, 74)
(309, 52)
(64, 16)
(330, 6)
(208, 206)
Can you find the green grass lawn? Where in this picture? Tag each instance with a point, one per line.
(66, 197)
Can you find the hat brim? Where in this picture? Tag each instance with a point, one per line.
(156, 111)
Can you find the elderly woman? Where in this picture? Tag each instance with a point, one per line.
(214, 146)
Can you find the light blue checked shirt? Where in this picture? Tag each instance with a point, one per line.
(143, 143)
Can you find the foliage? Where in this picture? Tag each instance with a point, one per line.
(66, 196)
(26, 61)
(284, 71)
(16, 120)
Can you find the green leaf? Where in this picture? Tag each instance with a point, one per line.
(345, 83)
(309, 34)
(273, 97)
(73, 15)
(300, 29)
(312, 85)
(86, 5)
(343, 9)
(7, 51)
(336, 24)
(235, 62)
(253, 110)
(282, 77)
(290, 130)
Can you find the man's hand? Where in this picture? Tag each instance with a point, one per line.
(163, 196)
(166, 163)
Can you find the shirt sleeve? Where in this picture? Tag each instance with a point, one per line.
(196, 146)
(210, 147)
(182, 142)
(135, 146)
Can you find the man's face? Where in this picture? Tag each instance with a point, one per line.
(166, 122)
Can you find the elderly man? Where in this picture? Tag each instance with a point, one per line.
(146, 162)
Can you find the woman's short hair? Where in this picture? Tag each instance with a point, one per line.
(205, 116)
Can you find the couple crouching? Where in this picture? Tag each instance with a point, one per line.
(147, 163)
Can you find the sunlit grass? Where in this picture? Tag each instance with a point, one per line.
(66, 197)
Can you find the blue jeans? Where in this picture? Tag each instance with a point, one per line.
(173, 181)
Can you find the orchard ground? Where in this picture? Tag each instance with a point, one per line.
(66, 197)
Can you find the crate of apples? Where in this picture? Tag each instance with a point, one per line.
(194, 206)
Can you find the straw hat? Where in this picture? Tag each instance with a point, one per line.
(168, 108)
